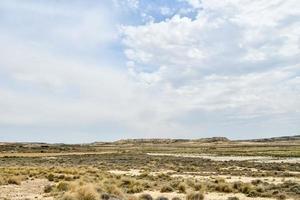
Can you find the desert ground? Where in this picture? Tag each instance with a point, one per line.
(145, 169)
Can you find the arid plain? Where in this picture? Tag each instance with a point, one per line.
(145, 169)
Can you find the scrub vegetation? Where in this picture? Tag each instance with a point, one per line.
(155, 169)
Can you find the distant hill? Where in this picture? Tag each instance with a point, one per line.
(146, 141)
(276, 139)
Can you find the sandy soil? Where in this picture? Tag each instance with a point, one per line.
(28, 190)
(264, 159)
(156, 194)
(137, 172)
(132, 172)
(209, 196)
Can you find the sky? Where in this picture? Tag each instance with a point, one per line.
(102, 70)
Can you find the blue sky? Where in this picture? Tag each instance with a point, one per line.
(105, 70)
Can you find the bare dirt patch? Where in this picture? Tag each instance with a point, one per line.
(210, 196)
(29, 190)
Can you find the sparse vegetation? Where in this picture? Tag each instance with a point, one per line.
(88, 177)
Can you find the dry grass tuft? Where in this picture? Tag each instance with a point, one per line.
(16, 180)
(87, 192)
(166, 188)
(195, 196)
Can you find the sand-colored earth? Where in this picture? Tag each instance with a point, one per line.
(137, 172)
(156, 194)
(208, 196)
(28, 190)
(263, 159)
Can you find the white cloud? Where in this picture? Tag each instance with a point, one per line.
(235, 55)
(233, 64)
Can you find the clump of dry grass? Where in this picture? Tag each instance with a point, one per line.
(50, 177)
(3, 181)
(245, 188)
(62, 186)
(195, 196)
(84, 192)
(132, 185)
(87, 192)
(69, 196)
(224, 187)
(16, 180)
(181, 188)
(166, 188)
(113, 189)
(199, 187)
(48, 188)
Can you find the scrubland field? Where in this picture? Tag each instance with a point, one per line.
(210, 169)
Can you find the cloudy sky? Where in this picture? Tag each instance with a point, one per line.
(101, 70)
